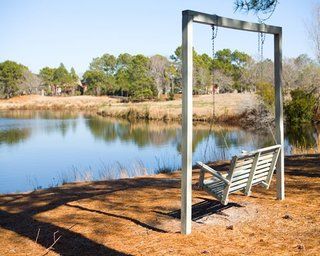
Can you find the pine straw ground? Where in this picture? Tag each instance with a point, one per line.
(138, 217)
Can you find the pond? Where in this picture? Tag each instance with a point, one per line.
(40, 149)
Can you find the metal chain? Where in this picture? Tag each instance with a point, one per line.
(261, 40)
(213, 37)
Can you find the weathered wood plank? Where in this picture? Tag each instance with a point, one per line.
(241, 172)
(241, 177)
(209, 19)
(244, 167)
(236, 183)
(263, 166)
(213, 172)
(187, 73)
(238, 187)
(272, 168)
(266, 169)
(252, 173)
(260, 175)
(279, 112)
(266, 157)
(225, 196)
(249, 160)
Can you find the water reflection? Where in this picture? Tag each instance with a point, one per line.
(304, 138)
(14, 136)
(145, 134)
(142, 133)
(18, 126)
(21, 125)
(45, 114)
(57, 147)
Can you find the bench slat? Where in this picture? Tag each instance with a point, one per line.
(235, 183)
(245, 162)
(241, 177)
(237, 188)
(241, 172)
(266, 156)
(264, 174)
(258, 180)
(244, 167)
(263, 166)
(268, 161)
(266, 169)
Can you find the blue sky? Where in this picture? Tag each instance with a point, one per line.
(40, 33)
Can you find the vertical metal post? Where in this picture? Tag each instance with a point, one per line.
(186, 176)
(279, 112)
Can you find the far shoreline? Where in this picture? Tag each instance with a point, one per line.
(230, 108)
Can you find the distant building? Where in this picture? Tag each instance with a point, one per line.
(82, 87)
(215, 89)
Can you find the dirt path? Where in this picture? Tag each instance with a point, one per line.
(140, 217)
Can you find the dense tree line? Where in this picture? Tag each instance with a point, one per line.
(138, 77)
(16, 79)
(134, 76)
(127, 75)
(56, 81)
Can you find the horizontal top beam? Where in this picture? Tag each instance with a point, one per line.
(216, 20)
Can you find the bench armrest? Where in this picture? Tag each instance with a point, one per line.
(206, 168)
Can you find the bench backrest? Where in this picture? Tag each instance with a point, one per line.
(252, 168)
(266, 165)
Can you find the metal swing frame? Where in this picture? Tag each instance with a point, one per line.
(188, 18)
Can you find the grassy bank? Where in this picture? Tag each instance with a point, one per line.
(140, 216)
(74, 103)
(232, 104)
(225, 107)
(230, 108)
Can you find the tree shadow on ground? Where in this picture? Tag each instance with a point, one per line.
(205, 208)
(71, 243)
(135, 221)
(303, 165)
(26, 206)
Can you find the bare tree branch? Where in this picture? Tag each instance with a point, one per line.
(55, 240)
(265, 6)
(314, 30)
(38, 234)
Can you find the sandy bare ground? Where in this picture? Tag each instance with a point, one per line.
(225, 104)
(140, 217)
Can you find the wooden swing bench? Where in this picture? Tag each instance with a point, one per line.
(249, 169)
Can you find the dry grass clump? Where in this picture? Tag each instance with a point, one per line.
(36, 102)
(227, 108)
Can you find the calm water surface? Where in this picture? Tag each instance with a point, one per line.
(44, 149)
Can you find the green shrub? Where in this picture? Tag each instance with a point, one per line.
(171, 96)
(301, 108)
(266, 93)
(11, 75)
